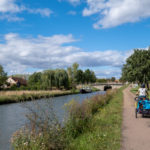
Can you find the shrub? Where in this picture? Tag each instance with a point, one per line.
(81, 114)
(43, 132)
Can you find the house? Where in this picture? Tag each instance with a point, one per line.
(16, 81)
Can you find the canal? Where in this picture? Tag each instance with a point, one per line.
(13, 116)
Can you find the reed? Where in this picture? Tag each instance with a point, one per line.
(19, 96)
(46, 133)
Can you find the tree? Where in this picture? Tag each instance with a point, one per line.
(113, 79)
(89, 76)
(101, 80)
(80, 76)
(61, 79)
(137, 67)
(93, 77)
(48, 79)
(3, 76)
(72, 73)
(35, 80)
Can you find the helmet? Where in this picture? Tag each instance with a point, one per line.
(143, 85)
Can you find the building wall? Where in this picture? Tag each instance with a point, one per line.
(11, 81)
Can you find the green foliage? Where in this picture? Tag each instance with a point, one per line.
(113, 79)
(48, 79)
(3, 76)
(43, 132)
(137, 67)
(35, 80)
(80, 115)
(61, 79)
(104, 128)
(89, 76)
(134, 90)
(77, 76)
(101, 80)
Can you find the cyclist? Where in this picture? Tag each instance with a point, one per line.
(142, 92)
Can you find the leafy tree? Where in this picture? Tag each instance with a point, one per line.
(80, 76)
(35, 80)
(48, 79)
(101, 80)
(61, 79)
(75, 67)
(93, 77)
(89, 76)
(3, 76)
(137, 67)
(72, 73)
(113, 79)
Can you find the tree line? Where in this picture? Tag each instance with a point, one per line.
(58, 78)
(61, 78)
(137, 67)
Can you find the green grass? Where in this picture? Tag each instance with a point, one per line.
(33, 95)
(95, 89)
(15, 98)
(104, 131)
(134, 90)
(94, 124)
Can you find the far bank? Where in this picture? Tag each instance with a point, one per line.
(7, 97)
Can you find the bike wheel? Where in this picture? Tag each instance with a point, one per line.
(136, 113)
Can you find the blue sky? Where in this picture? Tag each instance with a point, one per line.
(44, 34)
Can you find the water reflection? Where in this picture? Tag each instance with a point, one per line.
(13, 116)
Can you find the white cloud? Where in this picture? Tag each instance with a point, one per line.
(73, 2)
(10, 6)
(10, 17)
(72, 12)
(43, 12)
(19, 54)
(116, 12)
(108, 72)
(9, 9)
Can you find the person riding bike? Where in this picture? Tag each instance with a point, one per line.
(142, 92)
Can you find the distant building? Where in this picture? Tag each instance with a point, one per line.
(16, 81)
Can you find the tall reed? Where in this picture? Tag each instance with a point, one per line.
(44, 132)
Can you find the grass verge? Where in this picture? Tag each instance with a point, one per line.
(134, 90)
(7, 97)
(94, 124)
(19, 96)
(104, 132)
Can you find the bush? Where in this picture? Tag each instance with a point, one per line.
(81, 114)
(43, 132)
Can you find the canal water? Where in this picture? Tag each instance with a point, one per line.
(13, 116)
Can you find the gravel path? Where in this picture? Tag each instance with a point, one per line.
(135, 132)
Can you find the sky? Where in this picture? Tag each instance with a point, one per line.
(47, 34)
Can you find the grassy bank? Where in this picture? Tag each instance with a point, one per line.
(134, 90)
(19, 96)
(93, 125)
(104, 129)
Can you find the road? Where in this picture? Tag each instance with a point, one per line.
(135, 132)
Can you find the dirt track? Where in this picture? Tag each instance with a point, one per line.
(135, 132)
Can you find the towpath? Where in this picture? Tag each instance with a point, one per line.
(135, 132)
